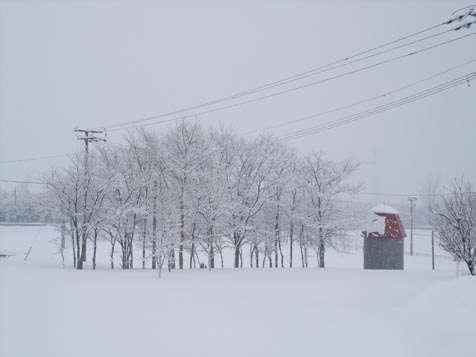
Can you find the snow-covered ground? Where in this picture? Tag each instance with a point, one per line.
(338, 311)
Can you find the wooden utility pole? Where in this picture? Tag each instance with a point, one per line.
(89, 135)
(412, 200)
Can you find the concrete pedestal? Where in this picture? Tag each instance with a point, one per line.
(383, 253)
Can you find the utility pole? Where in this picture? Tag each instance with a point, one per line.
(89, 135)
(412, 200)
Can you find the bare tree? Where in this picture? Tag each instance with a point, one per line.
(325, 181)
(455, 222)
(203, 192)
(248, 189)
(182, 146)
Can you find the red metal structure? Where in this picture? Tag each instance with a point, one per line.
(390, 220)
(383, 239)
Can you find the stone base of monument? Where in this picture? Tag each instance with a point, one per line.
(383, 253)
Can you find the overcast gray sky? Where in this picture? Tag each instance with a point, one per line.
(92, 63)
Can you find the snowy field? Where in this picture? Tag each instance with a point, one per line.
(338, 311)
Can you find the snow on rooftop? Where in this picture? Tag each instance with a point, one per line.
(376, 224)
(383, 208)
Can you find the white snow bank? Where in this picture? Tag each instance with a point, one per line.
(30, 244)
(441, 319)
(265, 312)
(451, 296)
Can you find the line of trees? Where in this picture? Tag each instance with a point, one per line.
(20, 205)
(194, 191)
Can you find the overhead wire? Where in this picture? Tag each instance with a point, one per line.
(332, 125)
(363, 101)
(376, 110)
(469, 13)
(289, 122)
(35, 158)
(297, 77)
(327, 67)
(298, 87)
(20, 181)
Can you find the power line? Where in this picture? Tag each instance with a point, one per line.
(285, 123)
(35, 158)
(376, 110)
(367, 100)
(366, 114)
(109, 142)
(459, 18)
(27, 182)
(327, 69)
(299, 76)
(386, 94)
(48, 157)
(298, 87)
(469, 13)
(305, 74)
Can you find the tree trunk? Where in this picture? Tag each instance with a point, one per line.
(84, 250)
(252, 250)
(160, 262)
(198, 260)
(82, 257)
(154, 229)
(291, 240)
(95, 247)
(182, 229)
(220, 251)
(237, 256)
(154, 254)
(131, 254)
(281, 254)
(291, 228)
(79, 265)
(192, 252)
(301, 246)
(211, 253)
(321, 253)
(276, 239)
(112, 255)
(144, 235)
(124, 256)
(321, 235)
(74, 249)
(471, 267)
(171, 259)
